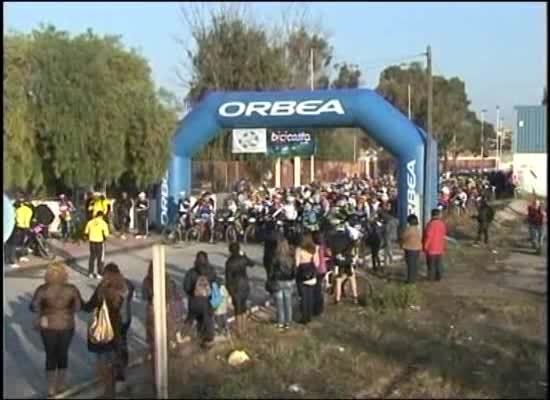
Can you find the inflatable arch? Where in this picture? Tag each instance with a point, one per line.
(414, 149)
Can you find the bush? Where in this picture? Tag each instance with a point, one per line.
(394, 297)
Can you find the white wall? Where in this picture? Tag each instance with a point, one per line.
(527, 164)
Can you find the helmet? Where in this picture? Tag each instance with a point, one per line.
(182, 195)
(62, 196)
(141, 195)
(290, 199)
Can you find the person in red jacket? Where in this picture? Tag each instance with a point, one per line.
(434, 245)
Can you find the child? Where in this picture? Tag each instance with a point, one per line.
(220, 313)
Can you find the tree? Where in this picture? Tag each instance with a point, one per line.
(22, 168)
(454, 126)
(232, 52)
(94, 111)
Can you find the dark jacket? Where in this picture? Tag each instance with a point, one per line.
(193, 274)
(59, 303)
(485, 215)
(281, 268)
(116, 295)
(236, 277)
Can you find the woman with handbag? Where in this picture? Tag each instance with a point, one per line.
(282, 282)
(105, 333)
(56, 302)
(307, 260)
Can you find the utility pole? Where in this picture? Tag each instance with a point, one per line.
(409, 96)
(482, 137)
(430, 88)
(498, 137)
(312, 79)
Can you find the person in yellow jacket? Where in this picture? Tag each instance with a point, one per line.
(23, 219)
(97, 231)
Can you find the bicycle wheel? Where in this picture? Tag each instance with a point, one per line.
(44, 249)
(218, 234)
(250, 234)
(169, 236)
(231, 234)
(192, 235)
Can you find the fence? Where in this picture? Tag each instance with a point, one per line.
(220, 176)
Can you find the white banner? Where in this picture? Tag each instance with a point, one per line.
(249, 141)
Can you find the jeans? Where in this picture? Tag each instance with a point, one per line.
(411, 258)
(536, 235)
(65, 228)
(435, 267)
(375, 258)
(388, 253)
(283, 301)
(56, 343)
(97, 252)
(483, 231)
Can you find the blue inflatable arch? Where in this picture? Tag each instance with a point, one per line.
(415, 150)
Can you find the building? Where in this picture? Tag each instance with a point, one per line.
(529, 148)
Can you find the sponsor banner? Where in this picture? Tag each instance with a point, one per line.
(290, 143)
(249, 141)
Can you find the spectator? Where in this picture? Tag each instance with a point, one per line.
(283, 274)
(197, 286)
(237, 283)
(307, 260)
(66, 208)
(142, 216)
(114, 291)
(535, 219)
(324, 254)
(411, 243)
(373, 240)
(122, 352)
(221, 312)
(124, 208)
(97, 231)
(484, 218)
(271, 238)
(435, 245)
(344, 272)
(389, 233)
(56, 302)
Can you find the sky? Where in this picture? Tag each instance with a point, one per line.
(498, 49)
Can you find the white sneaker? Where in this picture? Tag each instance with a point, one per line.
(123, 237)
(14, 266)
(139, 237)
(24, 259)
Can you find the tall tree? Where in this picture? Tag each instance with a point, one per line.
(22, 166)
(93, 109)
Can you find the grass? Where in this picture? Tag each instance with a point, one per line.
(468, 338)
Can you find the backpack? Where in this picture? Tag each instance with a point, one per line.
(202, 287)
(216, 296)
(100, 330)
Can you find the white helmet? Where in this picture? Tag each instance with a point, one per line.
(141, 195)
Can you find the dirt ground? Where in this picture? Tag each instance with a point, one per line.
(480, 332)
